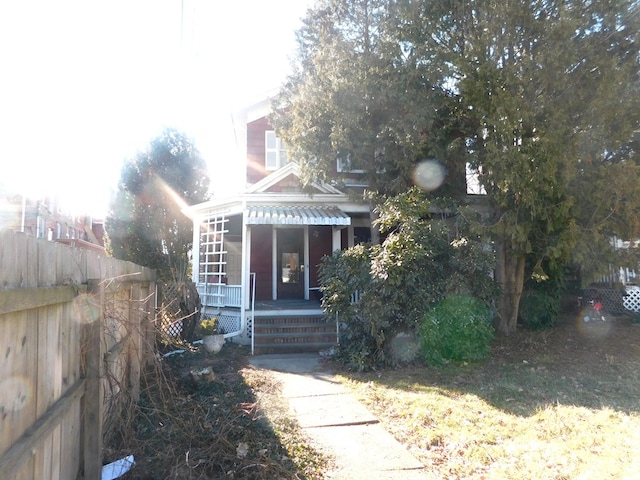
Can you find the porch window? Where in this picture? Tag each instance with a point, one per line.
(275, 151)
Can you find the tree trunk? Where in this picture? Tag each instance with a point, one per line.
(510, 276)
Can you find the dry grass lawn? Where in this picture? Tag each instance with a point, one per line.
(557, 404)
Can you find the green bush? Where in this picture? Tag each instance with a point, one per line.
(380, 290)
(457, 328)
(541, 300)
(539, 310)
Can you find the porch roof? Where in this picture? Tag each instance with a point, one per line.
(292, 215)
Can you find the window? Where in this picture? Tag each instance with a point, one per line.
(290, 267)
(275, 151)
(474, 187)
(344, 164)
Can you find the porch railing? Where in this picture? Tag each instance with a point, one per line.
(219, 295)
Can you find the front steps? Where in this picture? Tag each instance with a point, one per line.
(293, 334)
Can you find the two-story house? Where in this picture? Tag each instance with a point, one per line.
(257, 253)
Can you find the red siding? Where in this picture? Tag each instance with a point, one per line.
(319, 246)
(261, 248)
(256, 150)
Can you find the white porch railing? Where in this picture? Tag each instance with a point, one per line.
(222, 301)
(219, 295)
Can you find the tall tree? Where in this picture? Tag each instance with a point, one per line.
(540, 96)
(145, 224)
(357, 96)
(548, 88)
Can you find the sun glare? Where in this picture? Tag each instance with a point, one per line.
(92, 84)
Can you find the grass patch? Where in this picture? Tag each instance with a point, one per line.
(559, 404)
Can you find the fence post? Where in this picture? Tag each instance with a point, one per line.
(135, 341)
(94, 394)
(148, 323)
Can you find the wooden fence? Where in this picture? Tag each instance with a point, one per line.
(75, 331)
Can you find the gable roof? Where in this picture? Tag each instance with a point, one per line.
(291, 168)
(260, 194)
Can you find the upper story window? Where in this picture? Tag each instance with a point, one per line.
(474, 187)
(343, 164)
(275, 152)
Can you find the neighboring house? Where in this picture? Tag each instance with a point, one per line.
(258, 251)
(46, 218)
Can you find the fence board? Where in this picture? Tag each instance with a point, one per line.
(48, 367)
(10, 462)
(10, 258)
(17, 389)
(92, 430)
(7, 366)
(70, 457)
(23, 299)
(134, 355)
(53, 337)
(42, 459)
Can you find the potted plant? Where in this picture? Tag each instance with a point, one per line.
(212, 337)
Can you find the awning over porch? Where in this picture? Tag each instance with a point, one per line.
(288, 215)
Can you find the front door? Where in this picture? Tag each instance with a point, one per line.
(290, 265)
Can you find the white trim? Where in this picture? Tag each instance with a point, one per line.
(195, 251)
(306, 262)
(246, 268)
(291, 168)
(336, 239)
(274, 263)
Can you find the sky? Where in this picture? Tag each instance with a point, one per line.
(84, 85)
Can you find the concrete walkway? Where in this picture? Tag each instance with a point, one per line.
(338, 423)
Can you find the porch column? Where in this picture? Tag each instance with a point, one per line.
(350, 236)
(336, 241)
(195, 251)
(274, 263)
(246, 268)
(306, 262)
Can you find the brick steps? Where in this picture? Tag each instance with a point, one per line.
(293, 334)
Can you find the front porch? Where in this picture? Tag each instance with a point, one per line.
(269, 326)
(257, 256)
(265, 308)
(215, 297)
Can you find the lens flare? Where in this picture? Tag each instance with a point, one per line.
(592, 326)
(15, 394)
(429, 175)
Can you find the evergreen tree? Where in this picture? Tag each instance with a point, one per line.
(146, 224)
(541, 97)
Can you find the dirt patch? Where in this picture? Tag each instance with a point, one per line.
(199, 425)
(576, 345)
